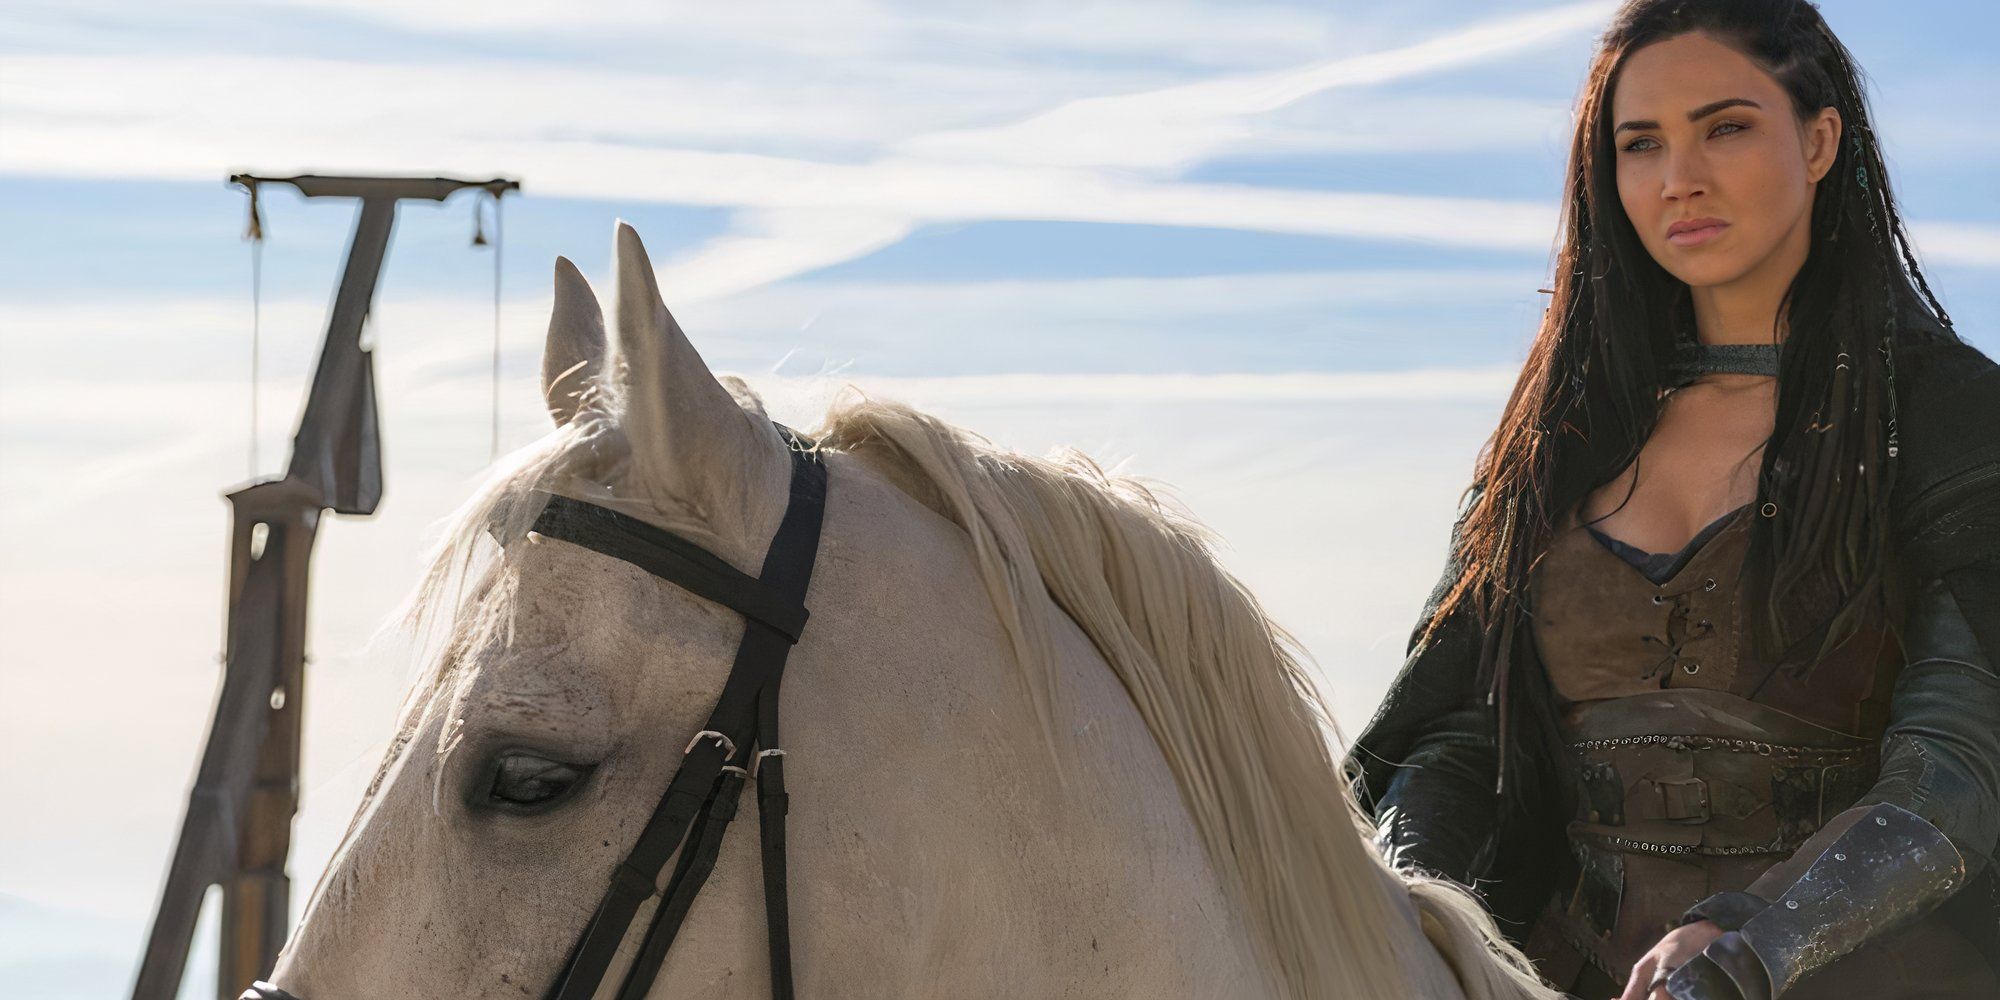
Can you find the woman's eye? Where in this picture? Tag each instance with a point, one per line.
(526, 781)
(1734, 127)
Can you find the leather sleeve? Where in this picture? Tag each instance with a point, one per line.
(1941, 753)
(1439, 811)
(1424, 767)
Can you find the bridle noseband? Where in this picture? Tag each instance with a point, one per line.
(701, 799)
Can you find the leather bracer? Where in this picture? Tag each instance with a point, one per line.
(1887, 868)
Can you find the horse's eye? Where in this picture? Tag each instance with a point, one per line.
(528, 782)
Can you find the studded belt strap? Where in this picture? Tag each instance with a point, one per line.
(1677, 794)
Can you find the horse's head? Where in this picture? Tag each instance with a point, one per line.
(1038, 742)
(568, 681)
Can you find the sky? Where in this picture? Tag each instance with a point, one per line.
(1281, 257)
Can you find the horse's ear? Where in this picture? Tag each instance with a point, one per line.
(690, 440)
(574, 356)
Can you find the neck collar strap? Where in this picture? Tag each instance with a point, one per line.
(1693, 360)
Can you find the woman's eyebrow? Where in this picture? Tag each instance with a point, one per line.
(1693, 116)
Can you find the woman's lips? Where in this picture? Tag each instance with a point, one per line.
(1696, 237)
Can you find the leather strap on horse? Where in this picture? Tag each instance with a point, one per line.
(702, 798)
(697, 861)
(671, 557)
(772, 802)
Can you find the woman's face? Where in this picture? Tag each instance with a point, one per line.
(1702, 135)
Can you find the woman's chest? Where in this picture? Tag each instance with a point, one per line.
(1611, 622)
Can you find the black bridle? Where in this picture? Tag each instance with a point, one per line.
(701, 799)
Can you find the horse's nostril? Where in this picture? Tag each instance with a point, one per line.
(261, 990)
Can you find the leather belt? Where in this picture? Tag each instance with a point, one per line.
(1667, 793)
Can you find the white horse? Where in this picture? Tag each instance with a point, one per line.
(1040, 743)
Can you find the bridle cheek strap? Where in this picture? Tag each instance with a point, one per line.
(702, 797)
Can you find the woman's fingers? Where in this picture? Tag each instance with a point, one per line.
(1642, 974)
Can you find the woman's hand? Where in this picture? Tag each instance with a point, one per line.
(1680, 944)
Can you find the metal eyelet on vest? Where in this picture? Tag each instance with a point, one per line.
(1691, 667)
(1769, 509)
(1708, 584)
(1657, 599)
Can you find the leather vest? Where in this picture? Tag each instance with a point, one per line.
(1689, 743)
(1697, 766)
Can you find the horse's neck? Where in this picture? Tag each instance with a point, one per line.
(948, 828)
(926, 809)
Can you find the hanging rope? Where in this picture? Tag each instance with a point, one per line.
(479, 240)
(494, 452)
(254, 232)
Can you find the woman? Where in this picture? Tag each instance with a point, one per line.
(1705, 703)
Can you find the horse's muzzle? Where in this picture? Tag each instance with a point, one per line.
(265, 991)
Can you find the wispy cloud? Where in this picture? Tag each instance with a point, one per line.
(1957, 243)
(1195, 33)
(1171, 128)
(599, 134)
(767, 246)
(820, 175)
(171, 117)
(66, 356)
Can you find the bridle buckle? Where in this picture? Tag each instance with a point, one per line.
(728, 745)
(759, 759)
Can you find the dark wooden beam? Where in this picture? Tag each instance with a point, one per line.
(237, 831)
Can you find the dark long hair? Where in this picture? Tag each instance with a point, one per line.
(1591, 390)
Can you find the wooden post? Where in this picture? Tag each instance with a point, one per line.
(237, 831)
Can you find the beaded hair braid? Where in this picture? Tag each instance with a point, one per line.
(1858, 559)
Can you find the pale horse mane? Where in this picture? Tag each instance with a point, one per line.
(1240, 721)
